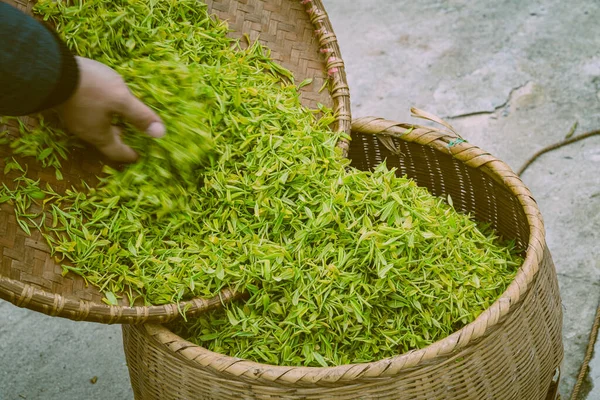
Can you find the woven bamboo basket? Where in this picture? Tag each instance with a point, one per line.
(512, 351)
(299, 36)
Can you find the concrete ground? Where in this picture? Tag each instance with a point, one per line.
(511, 76)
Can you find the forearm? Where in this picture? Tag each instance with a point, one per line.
(37, 71)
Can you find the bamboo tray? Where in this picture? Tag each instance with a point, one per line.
(299, 36)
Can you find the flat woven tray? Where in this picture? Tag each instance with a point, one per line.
(512, 351)
(299, 36)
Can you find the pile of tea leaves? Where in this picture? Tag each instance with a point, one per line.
(248, 191)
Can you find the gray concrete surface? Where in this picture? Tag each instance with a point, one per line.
(511, 76)
(46, 358)
(594, 376)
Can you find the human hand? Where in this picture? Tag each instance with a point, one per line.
(101, 94)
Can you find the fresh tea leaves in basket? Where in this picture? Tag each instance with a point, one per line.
(249, 191)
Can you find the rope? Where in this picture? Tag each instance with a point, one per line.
(554, 147)
(588, 356)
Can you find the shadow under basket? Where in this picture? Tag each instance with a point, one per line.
(298, 35)
(512, 351)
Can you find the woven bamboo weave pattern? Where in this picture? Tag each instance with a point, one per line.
(510, 352)
(299, 36)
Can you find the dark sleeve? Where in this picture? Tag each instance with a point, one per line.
(37, 70)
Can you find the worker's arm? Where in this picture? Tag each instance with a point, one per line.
(37, 71)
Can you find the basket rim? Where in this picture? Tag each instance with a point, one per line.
(29, 296)
(473, 157)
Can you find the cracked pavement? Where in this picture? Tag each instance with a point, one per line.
(512, 76)
(517, 91)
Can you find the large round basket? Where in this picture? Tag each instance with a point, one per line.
(512, 351)
(299, 36)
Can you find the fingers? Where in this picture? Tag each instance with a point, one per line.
(114, 148)
(101, 93)
(141, 116)
(96, 129)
